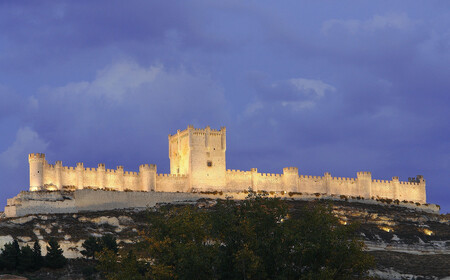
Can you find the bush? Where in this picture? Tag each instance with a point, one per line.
(91, 246)
(94, 245)
(26, 260)
(22, 259)
(54, 257)
(251, 239)
(37, 256)
(10, 255)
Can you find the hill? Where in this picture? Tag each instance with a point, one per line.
(405, 242)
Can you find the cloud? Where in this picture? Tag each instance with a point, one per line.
(377, 22)
(296, 93)
(27, 141)
(315, 86)
(126, 105)
(112, 83)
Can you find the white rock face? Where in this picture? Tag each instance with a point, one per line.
(5, 240)
(125, 220)
(22, 220)
(24, 238)
(37, 232)
(113, 221)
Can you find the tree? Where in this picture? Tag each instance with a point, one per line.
(109, 242)
(10, 255)
(118, 268)
(91, 246)
(180, 244)
(55, 257)
(258, 238)
(37, 255)
(26, 260)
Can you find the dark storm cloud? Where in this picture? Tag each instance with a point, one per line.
(127, 109)
(339, 87)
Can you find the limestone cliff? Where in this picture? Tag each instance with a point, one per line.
(405, 242)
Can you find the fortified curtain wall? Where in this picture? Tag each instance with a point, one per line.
(56, 176)
(362, 185)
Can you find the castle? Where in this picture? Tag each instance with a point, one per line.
(197, 164)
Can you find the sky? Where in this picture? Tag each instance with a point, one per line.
(327, 86)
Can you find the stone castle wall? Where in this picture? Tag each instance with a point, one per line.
(197, 163)
(45, 202)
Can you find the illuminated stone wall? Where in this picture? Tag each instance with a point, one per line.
(198, 163)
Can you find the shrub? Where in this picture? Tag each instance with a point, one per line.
(37, 255)
(54, 257)
(26, 260)
(251, 239)
(94, 245)
(10, 255)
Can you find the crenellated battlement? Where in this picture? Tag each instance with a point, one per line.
(381, 181)
(147, 166)
(290, 170)
(270, 175)
(130, 173)
(197, 162)
(199, 131)
(36, 156)
(182, 176)
(343, 179)
(234, 171)
(304, 177)
(409, 183)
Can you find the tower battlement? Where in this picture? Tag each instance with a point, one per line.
(36, 156)
(198, 163)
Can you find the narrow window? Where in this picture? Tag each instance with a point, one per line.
(209, 163)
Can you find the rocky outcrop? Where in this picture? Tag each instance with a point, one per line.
(54, 202)
(405, 242)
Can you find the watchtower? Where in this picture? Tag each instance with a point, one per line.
(200, 154)
(37, 162)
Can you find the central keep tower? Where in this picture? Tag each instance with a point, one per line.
(200, 154)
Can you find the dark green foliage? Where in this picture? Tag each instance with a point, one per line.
(252, 239)
(10, 255)
(88, 271)
(22, 259)
(109, 242)
(26, 260)
(54, 257)
(37, 255)
(93, 245)
(122, 267)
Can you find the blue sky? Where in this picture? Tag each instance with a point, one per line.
(327, 86)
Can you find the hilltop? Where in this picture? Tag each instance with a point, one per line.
(405, 242)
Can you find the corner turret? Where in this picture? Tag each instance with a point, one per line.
(36, 162)
(290, 179)
(364, 183)
(147, 175)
